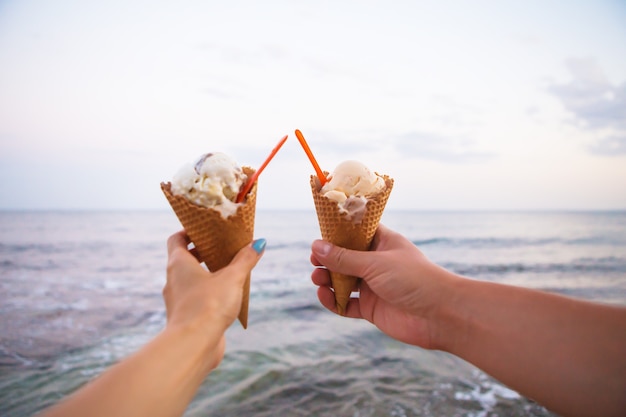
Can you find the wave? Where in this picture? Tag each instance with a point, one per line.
(494, 242)
(367, 375)
(54, 248)
(290, 245)
(605, 265)
(46, 265)
(35, 247)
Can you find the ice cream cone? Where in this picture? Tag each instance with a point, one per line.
(337, 229)
(217, 239)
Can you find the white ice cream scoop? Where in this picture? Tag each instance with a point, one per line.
(350, 184)
(352, 178)
(214, 181)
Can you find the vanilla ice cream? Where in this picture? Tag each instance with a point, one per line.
(350, 185)
(214, 182)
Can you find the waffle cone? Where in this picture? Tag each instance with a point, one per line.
(337, 229)
(216, 239)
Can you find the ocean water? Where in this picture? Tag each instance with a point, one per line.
(81, 290)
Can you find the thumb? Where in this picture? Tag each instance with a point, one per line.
(341, 260)
(247, 258)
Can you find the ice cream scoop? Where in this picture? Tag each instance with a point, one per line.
(213, 181)
(350, 185)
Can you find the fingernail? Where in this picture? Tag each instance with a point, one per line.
(321, 247)
(259, 245)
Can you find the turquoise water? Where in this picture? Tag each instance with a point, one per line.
(81, 290)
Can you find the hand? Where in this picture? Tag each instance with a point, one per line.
(202, 301)
(399, 290)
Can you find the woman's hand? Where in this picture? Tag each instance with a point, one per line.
(201, 301)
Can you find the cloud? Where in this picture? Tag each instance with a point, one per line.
(330, 147)
(441, 148)
(596, 104)
(359, 143)
(591, 98)
(610, 146)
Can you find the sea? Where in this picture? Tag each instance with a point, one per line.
(82, 290)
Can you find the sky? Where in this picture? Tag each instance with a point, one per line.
(483, 105)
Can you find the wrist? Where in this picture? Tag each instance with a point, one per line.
(200, 343)
(448, 326)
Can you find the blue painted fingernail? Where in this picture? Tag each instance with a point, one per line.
(259, 245)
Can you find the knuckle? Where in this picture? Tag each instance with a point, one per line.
(171, 265)
(166, 292)
(174, 258)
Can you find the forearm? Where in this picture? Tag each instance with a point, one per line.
(159, 380)
(567, 354)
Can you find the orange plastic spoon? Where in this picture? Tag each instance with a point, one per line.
(307, 150)
(254, 176)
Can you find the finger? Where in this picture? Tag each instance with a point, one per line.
(344, 261)
(321, 277)
(327, 298)
(381, 231)
(177, 251)
(247, 258)
(195, 254)
(353, 309)
(178, 240)
(314, 261)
